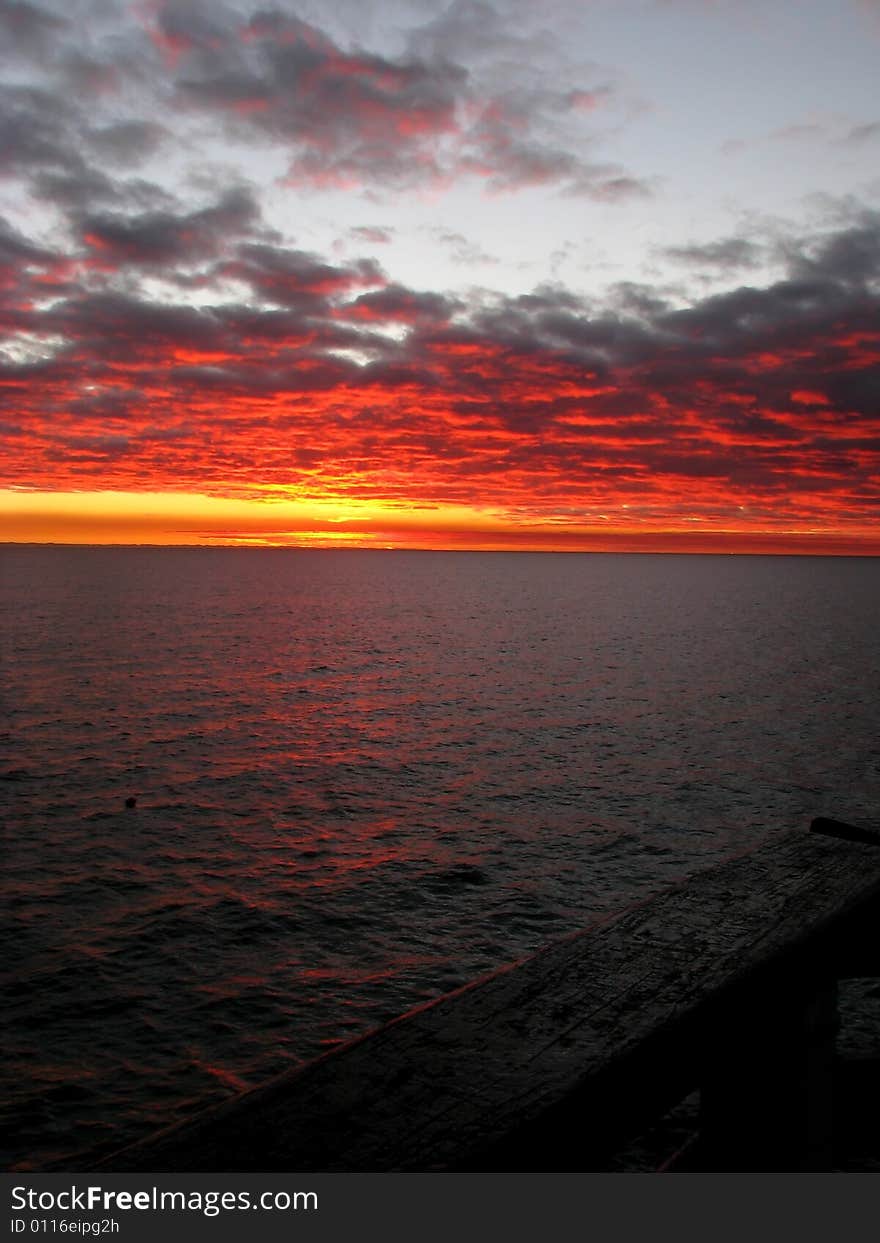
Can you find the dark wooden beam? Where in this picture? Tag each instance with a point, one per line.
(551, 1062)
(847, 831)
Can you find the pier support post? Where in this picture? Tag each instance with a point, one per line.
(766, 1095)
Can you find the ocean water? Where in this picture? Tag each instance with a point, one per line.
(365, 778)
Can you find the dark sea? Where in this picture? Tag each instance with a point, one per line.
(364, 778)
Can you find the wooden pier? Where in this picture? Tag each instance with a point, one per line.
(725, 984)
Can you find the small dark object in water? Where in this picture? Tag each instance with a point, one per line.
(458, 874)
(131, 801)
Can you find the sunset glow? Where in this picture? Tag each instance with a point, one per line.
(393, 303)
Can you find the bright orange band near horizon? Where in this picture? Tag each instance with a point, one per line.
(180, 519)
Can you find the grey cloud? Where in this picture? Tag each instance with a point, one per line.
(15, 248)
(80, 190)
(76, 189)
(188, 24)
(123, 325)
(156, 238)
(41, 141)
(345, 115)
(353, 118)
(476, 30)
(86, 75)
(295, 278)
(27, 28)
(797, 132)
(611, 189)
(375, 234)
(126, 142)
(638, 299)
(35, 129)
(864, 133)
(727, 254)
(850, 255)
(397, 304)
(38, 145)
(462, 250)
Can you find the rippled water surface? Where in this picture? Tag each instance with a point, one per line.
(363, 778)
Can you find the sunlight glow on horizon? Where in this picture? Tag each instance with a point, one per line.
(190, 519)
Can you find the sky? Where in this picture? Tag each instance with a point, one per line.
(538, 274)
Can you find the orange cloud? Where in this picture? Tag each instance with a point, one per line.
(750, 414)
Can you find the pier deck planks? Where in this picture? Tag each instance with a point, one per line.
(590, 1036)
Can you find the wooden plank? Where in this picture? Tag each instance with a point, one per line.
(847, 830)
(590, 1032)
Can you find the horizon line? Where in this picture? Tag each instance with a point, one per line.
(243, 546)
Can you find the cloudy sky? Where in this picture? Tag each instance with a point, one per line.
(487, 273)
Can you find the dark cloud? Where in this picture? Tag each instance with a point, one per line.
(727, 254)
(165, 238)
(17, 250)
(296, 278)
(107, 325)
(46, 141)
(88, 76)
(126, 142)
(27, 271)
(353, 118)
(864, 133)
(512, 142)
(849, 256)
(27, 29)
(183, 26)
(77, 188)
(36, 130)
(397, 305)
(500, 147)
(638, 299)
(827, 289)
(345, 117)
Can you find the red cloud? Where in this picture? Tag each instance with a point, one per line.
(759, 407)
(350, 118)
